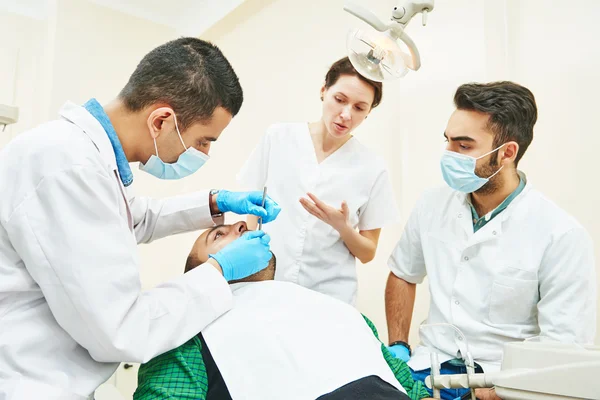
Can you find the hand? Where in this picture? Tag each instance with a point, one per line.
(486, 394)
(400, 352)
(337, 218)
(248, 203)
(244, 256)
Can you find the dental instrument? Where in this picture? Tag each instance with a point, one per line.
(263, 205)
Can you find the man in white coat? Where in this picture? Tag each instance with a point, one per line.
(71, 304)
(504, 262)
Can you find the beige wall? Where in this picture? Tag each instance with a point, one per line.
(20, 72)
(96, 49)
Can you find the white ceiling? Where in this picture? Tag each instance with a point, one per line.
(37, 9)
(188, 17)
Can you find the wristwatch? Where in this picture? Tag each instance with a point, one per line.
(400, 342)
(212, 193)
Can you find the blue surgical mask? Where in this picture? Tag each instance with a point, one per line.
(188, 162)
(458, 171)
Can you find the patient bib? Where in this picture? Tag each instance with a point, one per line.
(283, 341)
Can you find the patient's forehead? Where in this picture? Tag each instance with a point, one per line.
(202, 237)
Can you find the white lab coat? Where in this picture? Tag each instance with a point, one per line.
(529, 271)
(310, 252)
(71, 304)
(299, 344)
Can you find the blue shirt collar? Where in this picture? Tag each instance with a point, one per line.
(94, 108)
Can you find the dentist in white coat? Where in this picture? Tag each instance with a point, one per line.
(71, 304)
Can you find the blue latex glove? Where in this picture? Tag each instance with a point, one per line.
(244, 256)
(243, 203)
(400, 352)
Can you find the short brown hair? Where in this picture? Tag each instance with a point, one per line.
(343, 66)
(510, 107)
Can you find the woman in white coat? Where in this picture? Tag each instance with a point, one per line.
(334, 192)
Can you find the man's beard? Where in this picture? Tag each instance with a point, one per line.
(495, 181)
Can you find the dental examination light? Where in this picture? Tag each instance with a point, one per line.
(388, 52)
(8, 115)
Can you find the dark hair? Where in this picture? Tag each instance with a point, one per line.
(511, 109)
(343, 66)
(191, 75)
(191, 262)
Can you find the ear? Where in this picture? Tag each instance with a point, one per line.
(157, 119)
(323, 90)
(509, 153)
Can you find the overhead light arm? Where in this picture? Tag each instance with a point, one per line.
(415, 59)
(405, 11)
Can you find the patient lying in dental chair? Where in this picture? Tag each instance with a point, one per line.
(280, 341)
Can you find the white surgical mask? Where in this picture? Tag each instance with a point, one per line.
(188, 162)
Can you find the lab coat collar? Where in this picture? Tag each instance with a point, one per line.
(494, 227)
(98, 112)
(79, 116)
(463, 198)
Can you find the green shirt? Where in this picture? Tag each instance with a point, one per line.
(479, 222)
(181, 374)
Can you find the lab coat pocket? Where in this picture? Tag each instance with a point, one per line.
(512, 301)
